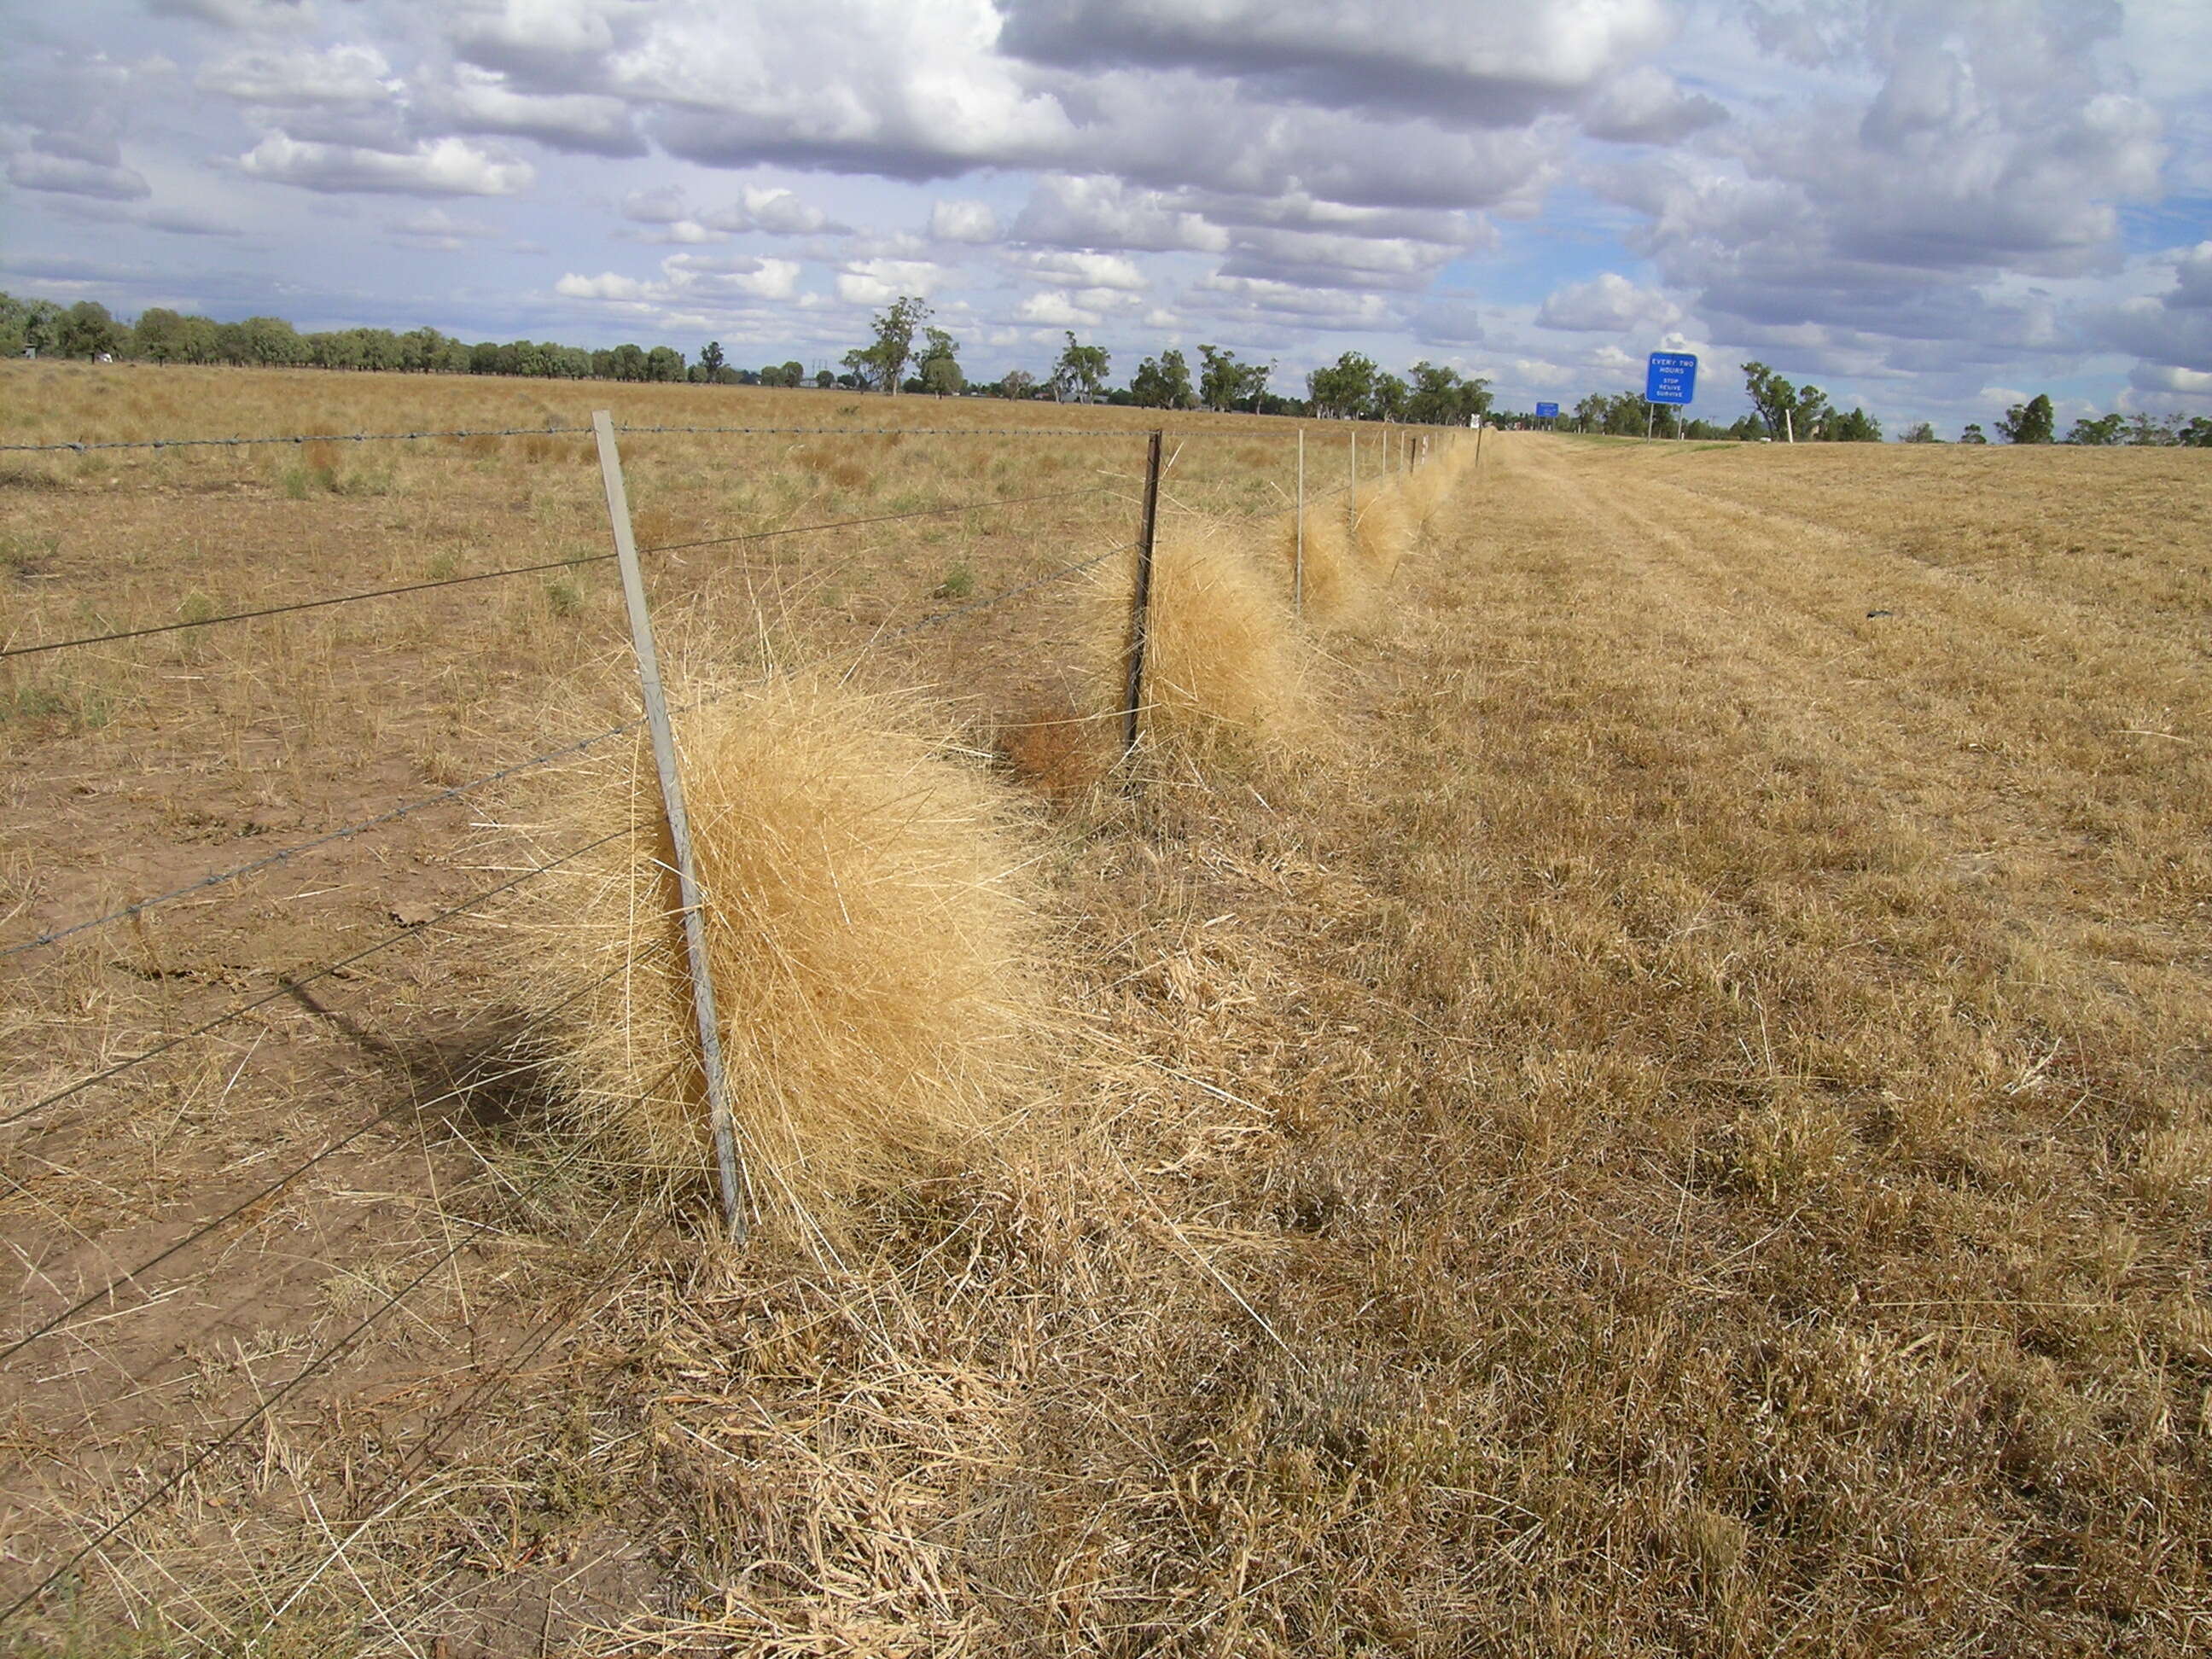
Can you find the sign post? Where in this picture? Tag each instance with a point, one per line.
(1671, 377)
(1549, 412)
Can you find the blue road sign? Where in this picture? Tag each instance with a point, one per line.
(1547, 411)
(1671, 378)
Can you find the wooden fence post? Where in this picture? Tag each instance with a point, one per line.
(679, 827)
(1140, 598)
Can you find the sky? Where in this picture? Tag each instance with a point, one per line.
(1932, 208)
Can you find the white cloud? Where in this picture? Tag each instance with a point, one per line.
(698, 285)
(786, 81)
(1609, 303)
(479, 100)
(349, 75)
(436, 227)
(880, 281)
(1926, 197)
(1056, 309)
(780, 213)
(1316, 260)
(1263, 299)
(663, 206)
(2188, 382)
(605, 286)
(266, 16)
(1066, 210)
(1098, 270)
(758, 279)
(951, 221)
(442, 167)
(1646, 105)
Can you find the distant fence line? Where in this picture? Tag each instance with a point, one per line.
(1386, 431)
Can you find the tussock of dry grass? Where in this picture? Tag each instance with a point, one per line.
(1336, 590)
(1223, 661)
(869, 925)
(1382, 529)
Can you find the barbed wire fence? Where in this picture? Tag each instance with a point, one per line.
(36, 1117)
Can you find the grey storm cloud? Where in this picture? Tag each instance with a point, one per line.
(1477, 64)
(2166, 331)
(72, 176)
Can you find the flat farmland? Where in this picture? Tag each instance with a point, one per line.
(1676, 1117)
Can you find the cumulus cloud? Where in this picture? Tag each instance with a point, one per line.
(1057, 308)
(1316, 260)
(1928, 194)
(1065, 210)
(435, 228)
(562, 42)
(663, 206)
(691, 280)
(770, 210)
(2193, 279)
(482, 100)
(606, 286)
(1609, 303)
(2166, 333)
(733, 276)
(1265, 300)
(258, 14)
(1449, 320)
(781, 81)
(880, 281)
(1094, 270)
(1980, 148)
(443, 166)
(975, 222)
(349, 75)
(1645, 105)
(778, 212)
(72, 176)
(1497, 64)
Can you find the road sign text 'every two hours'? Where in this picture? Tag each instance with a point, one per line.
(1671, 378)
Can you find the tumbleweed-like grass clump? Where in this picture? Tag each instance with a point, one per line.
(1336, 589)
(1382, 529)
(869, 928)
(1223, 661)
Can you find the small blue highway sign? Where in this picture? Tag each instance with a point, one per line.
(1671, 378)
(1547, 411)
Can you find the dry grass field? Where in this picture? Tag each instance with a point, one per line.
(1662, 1107)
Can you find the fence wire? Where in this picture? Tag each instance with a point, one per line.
(291, 985)
(576, 562)
(413, 1103)
(82, 448)
(321, 1363)
(567, 750)
(298, 982)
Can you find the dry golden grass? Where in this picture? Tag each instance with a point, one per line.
(871, 935)
(1382, 529)
(1327, 583)
(1686, 1132)
(1224, 666)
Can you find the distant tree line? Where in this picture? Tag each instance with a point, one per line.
(159, 335)
(2035, 421)
(1353, 387)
